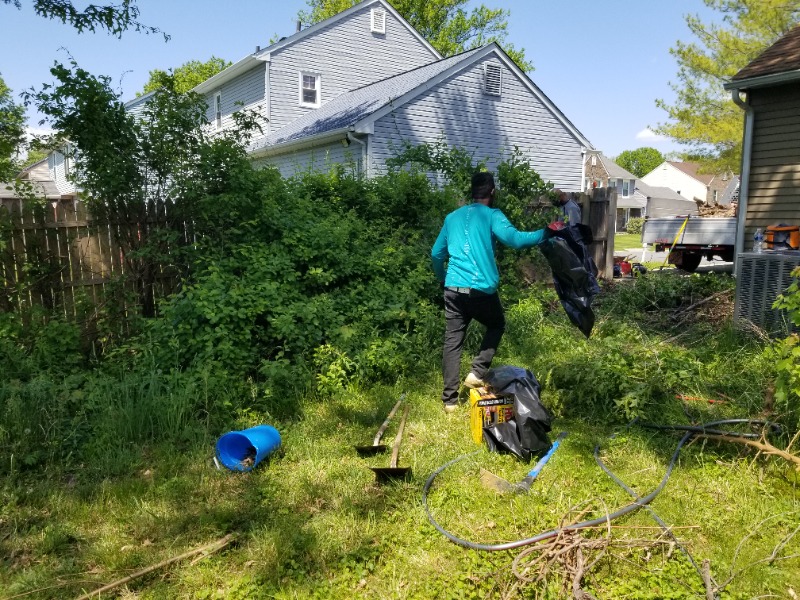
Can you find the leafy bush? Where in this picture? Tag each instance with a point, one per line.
(634, 225)
(786, 355)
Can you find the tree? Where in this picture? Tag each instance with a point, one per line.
(187, 76)
(114, 18)
(12, 132)
(703, 117)
(446, 24)
(640, 161)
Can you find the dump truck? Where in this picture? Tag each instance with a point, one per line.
(693, 238)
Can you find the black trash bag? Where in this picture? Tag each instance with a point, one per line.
(575, 285)
(525, 435)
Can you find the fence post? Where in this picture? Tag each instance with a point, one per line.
(600, 217)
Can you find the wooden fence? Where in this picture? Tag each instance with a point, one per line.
(53, 255)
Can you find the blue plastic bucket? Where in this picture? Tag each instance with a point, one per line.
(243, 450)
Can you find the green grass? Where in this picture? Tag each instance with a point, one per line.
(623, 241)
(312, 523)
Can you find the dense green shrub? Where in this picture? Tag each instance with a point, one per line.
(786, 354)
(634, 225)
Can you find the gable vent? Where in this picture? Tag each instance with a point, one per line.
(492, 79)
(378, 20)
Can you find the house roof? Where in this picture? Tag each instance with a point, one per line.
(613, 169)
(691, 169)
(357, 109)
(262, 55)
(777, 64)
(651, 191)
(46, 188)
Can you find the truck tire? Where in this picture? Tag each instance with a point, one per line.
(690, 261)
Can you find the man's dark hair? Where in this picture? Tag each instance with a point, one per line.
(482, 185)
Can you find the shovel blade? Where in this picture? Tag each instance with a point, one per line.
(371, 450)
(498, 484)
(386, 474)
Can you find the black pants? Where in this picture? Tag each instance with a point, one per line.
(459, 310)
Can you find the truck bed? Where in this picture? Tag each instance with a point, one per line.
(701, 231)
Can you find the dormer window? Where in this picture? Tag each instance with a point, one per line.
(492, 79)
(309, 89)
(378, 20)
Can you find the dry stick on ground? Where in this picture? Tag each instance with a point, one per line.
(773, 557)
(762, 445)
(208, 548)
(698, 303)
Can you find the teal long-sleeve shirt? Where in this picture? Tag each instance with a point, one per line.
(468, 239)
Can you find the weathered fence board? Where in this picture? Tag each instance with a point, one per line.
(55, 255)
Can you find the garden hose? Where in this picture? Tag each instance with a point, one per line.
(639, 501)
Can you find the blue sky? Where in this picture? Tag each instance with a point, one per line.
(603, 63)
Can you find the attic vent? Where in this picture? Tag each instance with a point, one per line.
(378, 20)
(492, 79)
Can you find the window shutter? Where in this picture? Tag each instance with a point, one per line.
(378, 20)
(492, 79)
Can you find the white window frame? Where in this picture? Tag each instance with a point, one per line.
(218, 110)
(377, 20)
(318, 83)
(486, 67)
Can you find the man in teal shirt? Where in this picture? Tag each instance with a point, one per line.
(468, 239)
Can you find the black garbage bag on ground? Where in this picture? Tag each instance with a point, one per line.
(574, 276)
(525, 435)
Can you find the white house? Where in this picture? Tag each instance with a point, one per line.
(357, 88)
(686, 180)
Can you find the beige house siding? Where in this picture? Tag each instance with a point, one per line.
(774, 188)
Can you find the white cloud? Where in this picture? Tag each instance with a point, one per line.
(650, 135)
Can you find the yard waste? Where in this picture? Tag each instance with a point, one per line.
(508, 415)
(243, 450)
(574, 273)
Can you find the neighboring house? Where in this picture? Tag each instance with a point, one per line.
(360, 86)
(38, 178)
(685, 178)
(602, 172)
(768, 90)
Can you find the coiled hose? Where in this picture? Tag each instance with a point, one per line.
(639, 501)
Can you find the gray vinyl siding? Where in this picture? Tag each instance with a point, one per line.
(773, 194)
(347, 55)
(320, 159)
(58, 172)
(244, 92)
(458, 112)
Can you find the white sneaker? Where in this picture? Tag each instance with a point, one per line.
(473, 382)
(450, 408)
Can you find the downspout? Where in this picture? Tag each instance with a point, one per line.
(267, 92)
(583, 169)
(744, 182)
(363, 144)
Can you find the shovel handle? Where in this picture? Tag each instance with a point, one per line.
(543, 461)
(385, 424)
(397, 438)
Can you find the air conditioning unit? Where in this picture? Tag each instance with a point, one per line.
(762, 276)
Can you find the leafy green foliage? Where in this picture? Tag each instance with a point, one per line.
(786, 354)
(640, 161)
(446, 24)
(634, 225)
(113, 18)
(710, 129)
(12, 132)
(184, 78)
